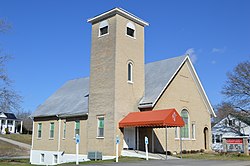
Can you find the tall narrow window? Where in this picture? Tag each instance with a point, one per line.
(100, 125)
(185, 129)
(130, 29)
(64, 129)
(77, 127)
(42, 158)
(51, 131)
(130, 72)
(39, 130)
(103, 28)
(193, 131)
(176, 132)
(55, 158)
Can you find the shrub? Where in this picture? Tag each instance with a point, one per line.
(184, 152)
(7, 131)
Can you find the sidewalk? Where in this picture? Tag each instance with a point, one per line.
(141, 154)
(23, 145)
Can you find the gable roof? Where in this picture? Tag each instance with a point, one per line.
(155, 84)
(157, 76)
(7, 115)
(70, 100)
(221, 128)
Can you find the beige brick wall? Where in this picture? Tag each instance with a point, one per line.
(110, 93)
(102, 83)
(45, 143)
(127, 95)
(66, 144)
(181, 94)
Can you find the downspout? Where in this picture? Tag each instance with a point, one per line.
(59, 134)
(32, 143)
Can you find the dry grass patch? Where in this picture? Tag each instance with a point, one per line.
(24, 138)
(10, 150)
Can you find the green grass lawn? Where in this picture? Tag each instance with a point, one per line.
(121, 159)
(203, 156)
(24, 138)
(216, 156)
(23, 162)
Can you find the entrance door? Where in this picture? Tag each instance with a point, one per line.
(145, 132)
(205, 138)
(129, 138)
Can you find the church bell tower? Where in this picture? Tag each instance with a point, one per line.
(116, 76)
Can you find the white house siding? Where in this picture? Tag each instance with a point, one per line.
(224, 129)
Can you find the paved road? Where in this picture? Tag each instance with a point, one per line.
(182, 162)
(23, 145)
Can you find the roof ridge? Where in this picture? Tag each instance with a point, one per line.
(77, 78)
(185, 55)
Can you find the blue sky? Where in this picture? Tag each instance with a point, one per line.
(50, 40)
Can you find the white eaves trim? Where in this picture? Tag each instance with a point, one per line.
(169, 81)
(201, 89)
(2, 115)
(198, 83)
(121, 12)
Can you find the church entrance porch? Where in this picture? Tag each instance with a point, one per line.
(138, 125)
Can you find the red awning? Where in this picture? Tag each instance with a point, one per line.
(155, 118)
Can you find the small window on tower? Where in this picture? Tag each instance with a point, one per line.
(130, 29)
(130, 72)
(103, 28)
(130, 32)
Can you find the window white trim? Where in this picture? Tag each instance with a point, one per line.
(102, 25)
(176, 133)
(130, 66)
(75, 128)
(38, 131)
(189, 127)
(131, 26)
(50, 129)
(42, 156)
(193, 133)
(55, 159)
(98, 117)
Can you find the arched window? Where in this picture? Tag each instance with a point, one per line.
(130, 29)
(130, 72)
(185, 129)
(103, 28)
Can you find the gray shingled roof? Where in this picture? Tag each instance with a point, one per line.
(70, 99)
(157, 75)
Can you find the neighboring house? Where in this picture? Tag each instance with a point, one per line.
(229, 126)
(9, 122)
(123, 97)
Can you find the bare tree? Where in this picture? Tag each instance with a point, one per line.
(4, 26)
(27, 121)
(9, 99)
(237, 87)
(224, 109)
